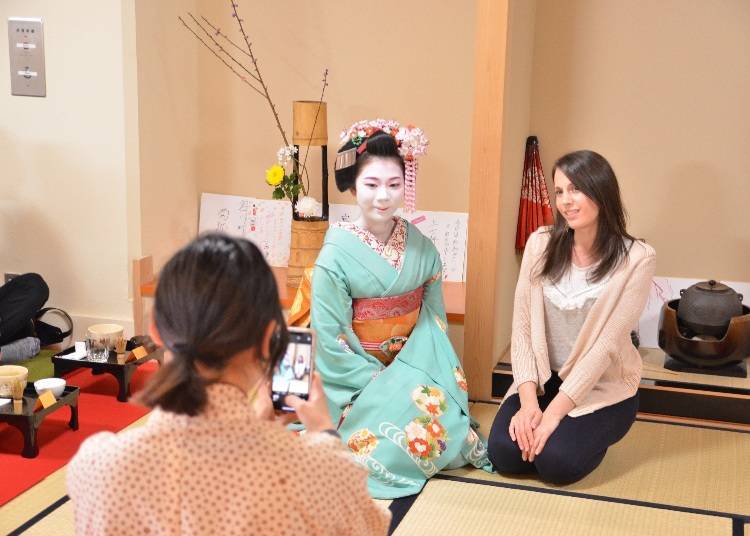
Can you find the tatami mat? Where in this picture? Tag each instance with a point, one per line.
(450, 508)
(682, 466)
(16, 512)
(59, 522)
(662, 465)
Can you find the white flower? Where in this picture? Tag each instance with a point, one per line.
(285, 154)
(308, 207)
(414, 430)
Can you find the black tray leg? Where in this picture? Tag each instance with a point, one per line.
(73, 423)
(30, 446)
(123, 378)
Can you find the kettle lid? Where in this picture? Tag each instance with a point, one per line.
(714, 286)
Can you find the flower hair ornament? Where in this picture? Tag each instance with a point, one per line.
(411, 142)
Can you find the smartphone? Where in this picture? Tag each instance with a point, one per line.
(293, 375)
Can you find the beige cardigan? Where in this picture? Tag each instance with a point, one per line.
(603, 367)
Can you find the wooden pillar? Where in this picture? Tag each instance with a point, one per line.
(484, 195)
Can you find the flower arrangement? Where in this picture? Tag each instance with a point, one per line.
(286, 183)
(285, 176)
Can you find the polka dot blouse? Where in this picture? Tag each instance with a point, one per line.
(221, 472)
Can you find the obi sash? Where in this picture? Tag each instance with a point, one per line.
(383, 325)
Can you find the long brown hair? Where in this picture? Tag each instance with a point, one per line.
(215, 298)
(591, 174)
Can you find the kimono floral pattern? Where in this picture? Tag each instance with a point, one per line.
(362, 442)
(429, 400)
(426, 437)
(392, 346)
(392, 251)
(458, 373)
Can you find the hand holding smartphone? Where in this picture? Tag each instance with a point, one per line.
(294, 373)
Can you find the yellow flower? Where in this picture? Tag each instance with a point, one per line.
(274, 175)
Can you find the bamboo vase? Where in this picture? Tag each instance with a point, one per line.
(307, 239)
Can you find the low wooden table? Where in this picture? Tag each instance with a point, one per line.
(122, 372)
(28, 420)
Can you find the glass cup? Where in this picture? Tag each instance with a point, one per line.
(97, 350)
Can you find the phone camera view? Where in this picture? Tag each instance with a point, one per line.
(293, 374)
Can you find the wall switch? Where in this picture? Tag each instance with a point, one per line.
(26, 47)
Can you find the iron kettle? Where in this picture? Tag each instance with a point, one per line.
(707, 307)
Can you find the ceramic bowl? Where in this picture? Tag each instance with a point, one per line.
(10, 374)
(110, 332)
(56, 385)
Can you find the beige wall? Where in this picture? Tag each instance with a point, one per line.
(109, 168)
(661, 90)
(516, 128)
(415, 67)
(168, 86)
(64, 179)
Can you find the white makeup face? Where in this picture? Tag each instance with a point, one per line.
(379, 189)
(576, 207)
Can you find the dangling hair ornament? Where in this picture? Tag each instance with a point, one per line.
(411, 142)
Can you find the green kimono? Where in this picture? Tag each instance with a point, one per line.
(409, 420)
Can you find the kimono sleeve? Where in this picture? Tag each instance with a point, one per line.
(433, 292)
(344, 366)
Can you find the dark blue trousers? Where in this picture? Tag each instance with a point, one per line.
(574, 449)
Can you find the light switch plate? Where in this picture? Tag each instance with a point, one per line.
(26, 47)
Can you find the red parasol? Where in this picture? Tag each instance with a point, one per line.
(534, 210)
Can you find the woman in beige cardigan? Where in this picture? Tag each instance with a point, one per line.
(582, 287)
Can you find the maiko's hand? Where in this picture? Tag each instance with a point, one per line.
(522, 426)
(543, 432)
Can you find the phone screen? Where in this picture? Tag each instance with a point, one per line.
(294, 372)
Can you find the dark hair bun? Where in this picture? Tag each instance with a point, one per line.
(215, 298)
(379, 145)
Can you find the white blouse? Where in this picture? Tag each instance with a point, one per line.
(566, 306)
(221, 472)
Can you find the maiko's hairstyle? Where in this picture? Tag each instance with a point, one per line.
(215, 298)
(593, 176)
(380, 145)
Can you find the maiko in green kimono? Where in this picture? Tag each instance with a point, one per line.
(393, 380)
